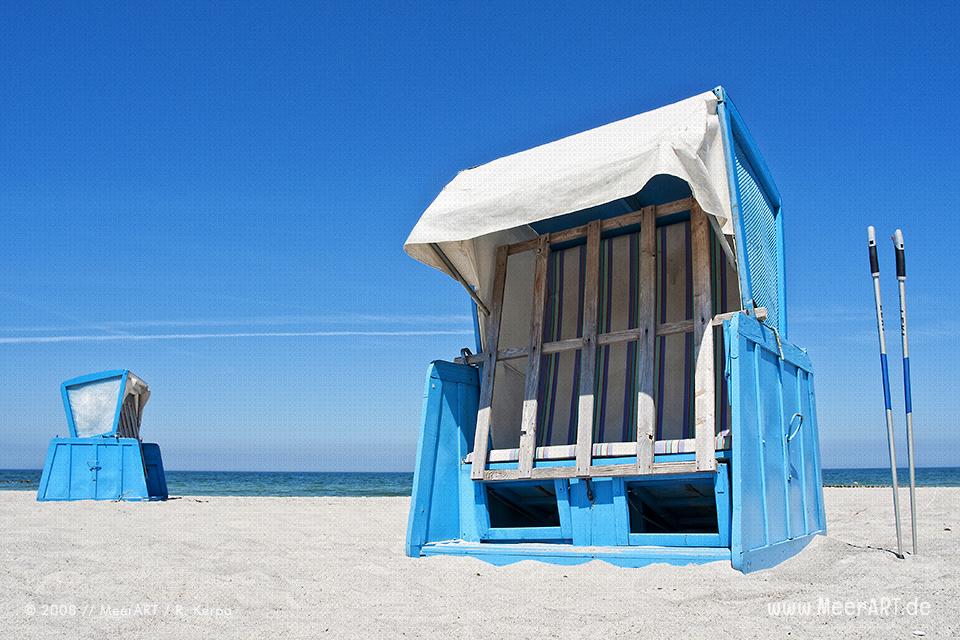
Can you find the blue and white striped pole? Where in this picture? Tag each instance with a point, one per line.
(907, 401)
(875, 272)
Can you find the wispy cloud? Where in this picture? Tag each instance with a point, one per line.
(257, 321)
(234, 335)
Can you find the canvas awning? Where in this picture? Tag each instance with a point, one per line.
(495, 203)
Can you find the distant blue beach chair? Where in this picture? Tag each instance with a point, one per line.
(104, 457)
(634, 397)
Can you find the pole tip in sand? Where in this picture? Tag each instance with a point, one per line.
(897, 238)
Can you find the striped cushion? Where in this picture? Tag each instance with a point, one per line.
(722, 442)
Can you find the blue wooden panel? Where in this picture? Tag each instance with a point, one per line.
(621, 513)
(562, 488)
(605, 512)
(721, 492)
(749, 511)
(525, 534)
(598, 512)
(813, 483)
(581, 525)
(57, 465)
(83, 463)
(156, 477)
(777, 494)
(98, 469)
(676, 539)
(449, 418)
(474, 520)
(767, 376)
(108, 480)
(795, 471)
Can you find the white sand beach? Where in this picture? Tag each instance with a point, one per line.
(218, 567)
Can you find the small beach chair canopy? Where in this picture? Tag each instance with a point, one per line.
(700, 141)
(108, 404)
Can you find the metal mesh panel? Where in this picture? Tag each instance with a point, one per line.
(760, 230)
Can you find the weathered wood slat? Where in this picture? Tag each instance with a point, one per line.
(619, 222)
(646, 383)
(588, 360)
(759, 312)
(559, 346)
(512, 353)
(672, 328)
(484, 413)
(703, 379)
(528, 420)
(677, 206)
(614, 337)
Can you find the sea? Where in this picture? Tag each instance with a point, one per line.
(359, 484)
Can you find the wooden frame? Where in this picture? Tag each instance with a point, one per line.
(528, 421)
(482, 435)
(701, 326)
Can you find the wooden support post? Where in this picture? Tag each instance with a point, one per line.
(588, 357)
(646, 384)
(704, 382)
(528, 421)
(484, 414)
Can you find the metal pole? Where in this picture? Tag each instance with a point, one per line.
(907, 401)
(459, 278)
(875, 272)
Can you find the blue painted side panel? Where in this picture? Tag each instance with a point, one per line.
(771, 443)
(102, 469)
(722, 495)
(795, 449)
(757, 219)
(474, 519)
(156, 478)
(449, 418)
(777, 494)
(813, 476)
(108, 479)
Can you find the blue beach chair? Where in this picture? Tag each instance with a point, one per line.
(634, 396)
(104, 457)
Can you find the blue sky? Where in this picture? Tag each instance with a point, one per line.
(204, 168)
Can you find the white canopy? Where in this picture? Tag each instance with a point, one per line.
(495, 203)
